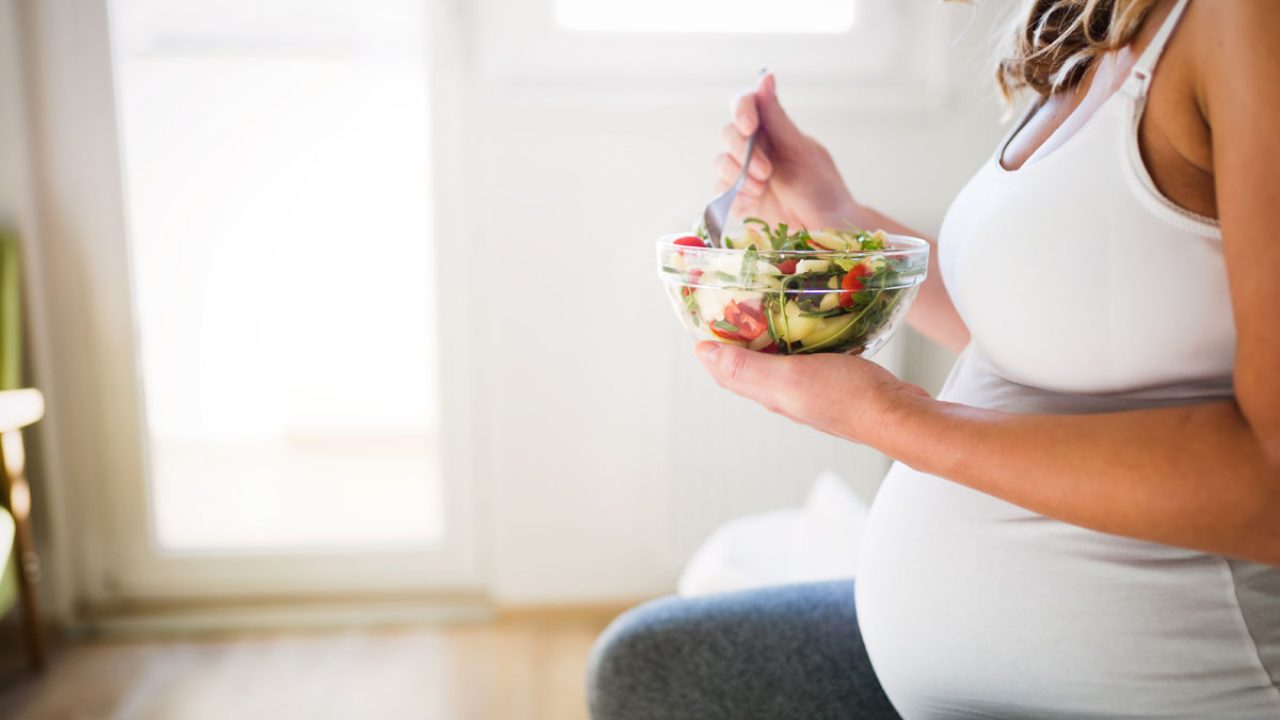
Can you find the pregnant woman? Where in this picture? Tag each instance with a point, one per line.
(1086, 522)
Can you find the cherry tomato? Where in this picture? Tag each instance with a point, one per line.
(788, 267)
(749, 319)
(851, 284)
(689, 241)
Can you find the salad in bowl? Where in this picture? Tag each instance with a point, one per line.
(791, 292)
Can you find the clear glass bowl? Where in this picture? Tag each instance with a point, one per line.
(794, 302)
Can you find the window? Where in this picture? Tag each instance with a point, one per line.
(706, 16)
(275, 165)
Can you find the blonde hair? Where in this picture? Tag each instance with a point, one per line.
(1055, 41)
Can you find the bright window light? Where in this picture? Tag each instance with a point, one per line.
(275, 156)
(706, 16)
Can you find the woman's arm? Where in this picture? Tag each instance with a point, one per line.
(932, 314)
(1195, 476)
(1200, 476)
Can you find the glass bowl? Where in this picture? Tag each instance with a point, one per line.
(794, 302)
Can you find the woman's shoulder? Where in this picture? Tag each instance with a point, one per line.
(1229, 41)
(1216, 89)
(1221, 52)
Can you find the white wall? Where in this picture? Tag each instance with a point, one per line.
(602, 430)
(604, 454)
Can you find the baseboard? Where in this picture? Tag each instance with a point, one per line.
(149, 619)
(605, 611)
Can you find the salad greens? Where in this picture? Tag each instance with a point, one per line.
(780, 296)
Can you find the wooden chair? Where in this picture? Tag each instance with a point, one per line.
(18, 409)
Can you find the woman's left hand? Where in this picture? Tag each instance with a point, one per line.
(846, 396)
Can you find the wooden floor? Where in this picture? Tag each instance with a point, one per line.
(527, 667)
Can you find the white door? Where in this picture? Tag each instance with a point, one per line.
(242, 240)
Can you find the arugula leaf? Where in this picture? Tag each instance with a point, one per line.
(804, 239)
(869, 241)
(748, 271)
(725, 326)
(884, 278)
(781, 237)
(772, 301)
(691, 305)
(826, 314)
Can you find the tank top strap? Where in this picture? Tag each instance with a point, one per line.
(1140, 77)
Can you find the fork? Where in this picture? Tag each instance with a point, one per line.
(717, 211)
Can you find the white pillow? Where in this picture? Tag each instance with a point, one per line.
(817, 542)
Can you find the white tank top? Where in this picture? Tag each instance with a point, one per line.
(1085, 290)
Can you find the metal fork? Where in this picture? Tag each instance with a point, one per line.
(717, 211)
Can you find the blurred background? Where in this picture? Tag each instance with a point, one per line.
(357, 393)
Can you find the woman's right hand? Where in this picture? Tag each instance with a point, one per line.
(792, 177)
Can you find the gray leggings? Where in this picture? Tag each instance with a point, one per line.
(785, 652)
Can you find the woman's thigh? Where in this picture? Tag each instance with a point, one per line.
(785, 652)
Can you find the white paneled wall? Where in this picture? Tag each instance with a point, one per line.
(610, 454)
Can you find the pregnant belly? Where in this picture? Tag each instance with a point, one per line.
(972, 607)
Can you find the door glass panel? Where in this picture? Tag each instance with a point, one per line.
(275, 159)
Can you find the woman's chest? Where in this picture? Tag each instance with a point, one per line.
(1072, 276)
